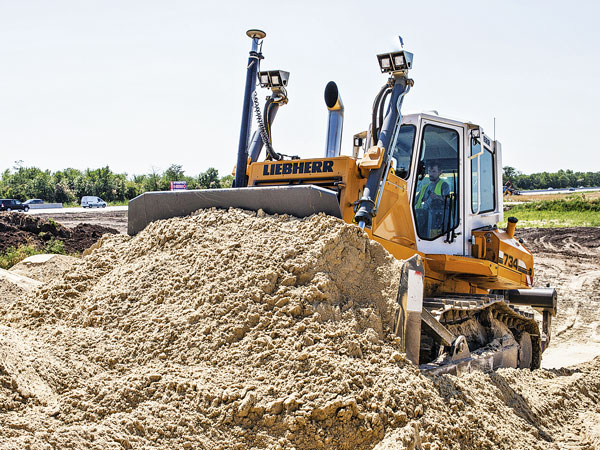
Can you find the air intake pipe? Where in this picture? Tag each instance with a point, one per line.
(510, 227)
(335, 122)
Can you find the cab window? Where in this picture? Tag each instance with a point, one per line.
(435, 201)
(483, 180)
(488, 197)
(403, 149)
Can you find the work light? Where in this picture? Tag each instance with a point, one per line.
(273, 78)
(395, 62)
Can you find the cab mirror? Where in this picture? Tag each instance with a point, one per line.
(475, 135)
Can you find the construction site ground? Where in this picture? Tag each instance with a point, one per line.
(235, 330)
(102, 217)
(569, 259)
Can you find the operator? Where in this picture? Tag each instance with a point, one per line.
(432, 194)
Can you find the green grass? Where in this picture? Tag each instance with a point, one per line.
(574, 211)
(119, 203)
(553, 219)
(14, 255)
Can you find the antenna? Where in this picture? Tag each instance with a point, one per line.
(494, 128)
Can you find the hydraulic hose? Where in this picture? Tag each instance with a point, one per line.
(366, 204)
(270, 111)
(381, 106)
(262, 136)
(375, 108)
(266, 132)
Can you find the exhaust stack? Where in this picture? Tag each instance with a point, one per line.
(335, 122)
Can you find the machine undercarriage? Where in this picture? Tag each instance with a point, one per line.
(485, 331)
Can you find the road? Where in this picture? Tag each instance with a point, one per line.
(78, 210)
(558, 191)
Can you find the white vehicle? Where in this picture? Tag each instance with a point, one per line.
(91, 201)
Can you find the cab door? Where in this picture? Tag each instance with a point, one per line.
(483, 198)
(436, 202)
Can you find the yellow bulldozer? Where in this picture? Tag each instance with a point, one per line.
(427, 188)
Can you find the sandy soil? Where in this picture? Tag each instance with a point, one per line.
(234, 330)
(44, 268)
(565, 258)
(569, 259)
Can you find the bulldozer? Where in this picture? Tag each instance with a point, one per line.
(427, 188)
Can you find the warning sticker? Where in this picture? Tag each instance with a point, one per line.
(415, 291)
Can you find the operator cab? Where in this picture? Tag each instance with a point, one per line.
(453, 173)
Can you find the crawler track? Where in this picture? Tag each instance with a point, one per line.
(498, 334)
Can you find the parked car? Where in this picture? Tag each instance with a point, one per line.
(571, 189)
(91, 201)
(34, 201)
(10, 204)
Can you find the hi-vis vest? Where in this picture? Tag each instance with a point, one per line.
(437, 190)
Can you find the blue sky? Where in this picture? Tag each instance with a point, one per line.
(139, 85)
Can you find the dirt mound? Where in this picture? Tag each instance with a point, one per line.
(44, 267)
(19, 229)
(234, 330)
(10, 290)
(111, 218)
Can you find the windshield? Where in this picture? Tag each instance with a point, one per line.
(435, 203)
(403, 146)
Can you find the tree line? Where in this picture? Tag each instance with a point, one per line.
(69, 185)
(544, 180)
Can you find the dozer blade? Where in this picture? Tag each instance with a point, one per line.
(299, 201)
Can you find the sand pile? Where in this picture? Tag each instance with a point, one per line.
(14, 285)
(236, 330)
(44, 268)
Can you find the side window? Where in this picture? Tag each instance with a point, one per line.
(488, 196)
(435, 202)
(403, 148)
(483, 185)
(475, 149)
